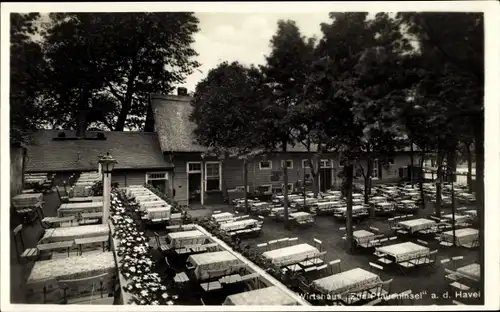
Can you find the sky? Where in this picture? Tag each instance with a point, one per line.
(242, 37)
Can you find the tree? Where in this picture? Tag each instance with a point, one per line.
(456, 41)
(226, 110)
(285, 73)
(26, 72)
(100, 75)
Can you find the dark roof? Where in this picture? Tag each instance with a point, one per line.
(176, 131)
(171, 117)
(132, 150)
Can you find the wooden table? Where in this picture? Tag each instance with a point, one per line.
(404, 251)
(416, 225)
(92, 240)
(181, 278)
(352, 280)
(462, 236)
(292, 254)
(78, 208)
(74, 232)
(363, 236)
(472, 271)
(458, 218)
(70, 268)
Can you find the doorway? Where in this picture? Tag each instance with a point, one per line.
(194, 188)
(325, 177)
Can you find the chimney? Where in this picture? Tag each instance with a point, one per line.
(182, 91)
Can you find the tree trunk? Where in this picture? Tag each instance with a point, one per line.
(439, 182)
(349, 180)
(285, 194)
(223, 176)
(245, 181)
(421, 180)
(368, 178)
(479, 148)
(83, 112)
(469, 166)
(410, 172)
(127, 101)
(315, 165)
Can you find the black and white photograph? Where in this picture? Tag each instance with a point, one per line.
(246, 155)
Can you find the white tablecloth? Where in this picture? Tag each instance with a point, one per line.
(265, 296)
(184, 238)
(291, 254)
(404, 251)
(74, 232)
(417, 224)
(363, 236)
(352, 280)
(472, 271)
(299, 216)
(220, 217)
(463, 236)
(209, 261)
(70, 268)
(458, 218)
(238, 225)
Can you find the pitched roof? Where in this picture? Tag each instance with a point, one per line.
(132, 150)
(171, 117)
(176, 131)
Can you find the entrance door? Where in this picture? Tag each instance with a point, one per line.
(325, 176)
(194, 188)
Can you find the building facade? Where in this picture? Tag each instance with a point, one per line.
(201, 179)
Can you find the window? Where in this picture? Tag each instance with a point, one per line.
(157, 180)
(325, 163)
(194, 167)
(266, 189)
(213, 176)
(290, 187)
(375, 169)
(305, 163)
(265, 165)
(289, 164)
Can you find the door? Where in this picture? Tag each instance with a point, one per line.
(325, 176)
(194, 188)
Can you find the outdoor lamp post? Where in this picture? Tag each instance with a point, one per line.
(107, 164)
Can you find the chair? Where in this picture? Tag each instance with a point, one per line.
(335, 263)
(62, 198)
(162, 246)
(28, 254)
(374, 229)
(318, 244)
(382, 289)
(456, 259)
(422, 242)
(374, 266)
(77, 283)
(393, 238)
(404, 298)
(46, 286)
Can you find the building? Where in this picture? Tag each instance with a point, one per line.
(138, 154)
(194, 170)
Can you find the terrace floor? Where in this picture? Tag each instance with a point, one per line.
(325, 229)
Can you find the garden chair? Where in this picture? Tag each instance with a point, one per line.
(28, 254)
(161, 245)
(335, 264)
(42, 289)
(92, 281)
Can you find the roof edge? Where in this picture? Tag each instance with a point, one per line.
(171, 97)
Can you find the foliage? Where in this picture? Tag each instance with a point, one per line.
(26, 72)
(135, 262)
(96, 189)
(98, 75)
(226, 109)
